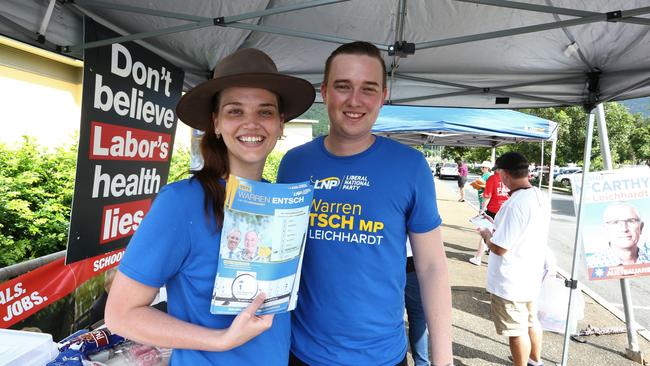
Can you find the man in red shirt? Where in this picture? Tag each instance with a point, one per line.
(494, 195)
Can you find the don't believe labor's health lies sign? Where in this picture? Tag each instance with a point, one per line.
(128, 121)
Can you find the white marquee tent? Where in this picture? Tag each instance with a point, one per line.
(453, 53)
(462, 53)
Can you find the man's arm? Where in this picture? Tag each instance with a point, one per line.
(486, 234)
(431, 268)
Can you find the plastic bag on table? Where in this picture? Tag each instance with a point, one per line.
(133, 354)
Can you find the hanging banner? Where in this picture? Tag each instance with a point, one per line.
(27, 294)
(616, 208)
(128, 121)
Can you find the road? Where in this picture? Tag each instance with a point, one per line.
(561, 240)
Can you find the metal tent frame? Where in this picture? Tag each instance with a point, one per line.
(500, 69)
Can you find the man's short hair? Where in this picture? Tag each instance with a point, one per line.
(514, 163)
(356, 48)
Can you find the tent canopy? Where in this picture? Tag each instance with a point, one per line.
(461, 126)
(483, 54)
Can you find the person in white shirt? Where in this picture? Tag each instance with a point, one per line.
(517, 250)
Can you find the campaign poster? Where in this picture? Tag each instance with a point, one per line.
(614, 233)
(128, 121)
(262, 245)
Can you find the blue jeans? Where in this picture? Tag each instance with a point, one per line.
(418, 334)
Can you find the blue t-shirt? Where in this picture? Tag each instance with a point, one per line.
(177, 245)
(351, 298)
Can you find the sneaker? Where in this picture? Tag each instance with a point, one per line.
(539, 364)
(475, 261)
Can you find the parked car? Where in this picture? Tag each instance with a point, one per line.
(566, 178)
(566, 170)
(449, 170)
(538, 169)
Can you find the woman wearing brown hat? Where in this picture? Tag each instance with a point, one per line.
(242, 111)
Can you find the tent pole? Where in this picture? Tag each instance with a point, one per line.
(572, 283)
(203, 22)
(493, 156)
(551, 170)
(541, 163)
(399, 38)
(605, 151)
(632, 351)
(549, 9)
(46, 19)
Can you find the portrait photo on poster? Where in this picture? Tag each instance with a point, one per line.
(614, 235)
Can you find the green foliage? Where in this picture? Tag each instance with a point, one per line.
(180, 165)
(640, 142)
(629, 139)
(36, 190)
(469, 154)
(271, 167)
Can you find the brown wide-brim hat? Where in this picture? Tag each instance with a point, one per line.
(248, 67)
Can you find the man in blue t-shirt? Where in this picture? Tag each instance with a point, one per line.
(370, 192)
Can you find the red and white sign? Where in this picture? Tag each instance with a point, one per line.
(33, 291)
(123, 219)
(115, 142)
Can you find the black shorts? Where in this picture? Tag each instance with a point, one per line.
(461, 181)
(490, 213)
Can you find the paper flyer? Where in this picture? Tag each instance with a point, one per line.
(262, 244)
(481, 221)
(614, 234)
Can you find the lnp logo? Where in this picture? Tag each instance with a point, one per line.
(327, 183)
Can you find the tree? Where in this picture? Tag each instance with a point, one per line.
(179, 167)
(471, 154)
(571, 134)
(621, 124)
(36, 189)
(621, 128)
(35, 198)
(271, 167)
(629, 138)
(640, 143)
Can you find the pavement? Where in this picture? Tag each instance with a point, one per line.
(475, 342)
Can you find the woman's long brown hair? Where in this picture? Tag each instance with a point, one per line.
(215, 167)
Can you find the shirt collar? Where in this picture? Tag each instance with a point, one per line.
(517, 189)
